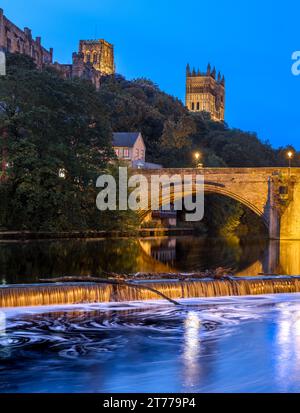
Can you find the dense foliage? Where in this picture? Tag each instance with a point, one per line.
(51, 126)
(58, 140)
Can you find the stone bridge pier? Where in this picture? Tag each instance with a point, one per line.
(271, 193)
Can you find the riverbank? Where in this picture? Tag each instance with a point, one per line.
(143, 232)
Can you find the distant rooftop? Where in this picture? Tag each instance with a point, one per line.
(125, 139)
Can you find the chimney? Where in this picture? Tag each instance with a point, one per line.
(38, 40)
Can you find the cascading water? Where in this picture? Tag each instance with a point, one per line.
(56, 294)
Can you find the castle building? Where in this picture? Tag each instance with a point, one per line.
(15, 40)
(94, 59)
(100, 54)
(205, 92)
(79, 69)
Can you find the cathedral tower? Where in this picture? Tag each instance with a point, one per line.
(100, 54)
(205, 92)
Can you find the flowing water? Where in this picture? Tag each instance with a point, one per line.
(57, 294)
(108, 342)
(232, 344)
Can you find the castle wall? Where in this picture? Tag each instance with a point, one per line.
(94, 59)
(15, 40)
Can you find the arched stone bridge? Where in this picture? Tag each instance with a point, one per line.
(272, 193)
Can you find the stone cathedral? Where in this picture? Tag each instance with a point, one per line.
(205, 92)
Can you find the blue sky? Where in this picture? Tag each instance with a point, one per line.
(251, 42)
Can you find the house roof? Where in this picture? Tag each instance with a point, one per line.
(126, 139)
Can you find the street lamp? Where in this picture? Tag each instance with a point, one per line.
(197, 156)
(290, 155)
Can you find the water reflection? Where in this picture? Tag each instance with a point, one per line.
(287, 338)
(25, 262)
(192, 327)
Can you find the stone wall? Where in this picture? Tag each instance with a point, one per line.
(15, 40)
(79, 69)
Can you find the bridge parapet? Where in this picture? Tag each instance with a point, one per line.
(272, 193)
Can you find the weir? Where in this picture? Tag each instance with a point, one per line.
(59, 294)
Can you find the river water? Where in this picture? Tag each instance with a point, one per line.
(27, 262)
(228, 344)
(233, 344)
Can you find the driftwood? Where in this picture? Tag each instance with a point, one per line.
(109, 281)
(218, 273)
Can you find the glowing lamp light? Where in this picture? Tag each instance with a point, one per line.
(197, 156)
(62, 173)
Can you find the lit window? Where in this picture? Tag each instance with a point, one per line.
(117, 152)
(126, 153)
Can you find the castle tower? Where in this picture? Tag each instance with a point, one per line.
(100, 54)
(205, 92)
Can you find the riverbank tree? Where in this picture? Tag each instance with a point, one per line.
(56, 141)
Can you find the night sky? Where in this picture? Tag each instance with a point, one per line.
(251, 42)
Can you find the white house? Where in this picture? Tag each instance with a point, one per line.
(129, 146)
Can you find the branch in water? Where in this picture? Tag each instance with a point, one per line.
(113, 282)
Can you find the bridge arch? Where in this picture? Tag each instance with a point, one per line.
(213, 189)
(257, 188)
(209, 189)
